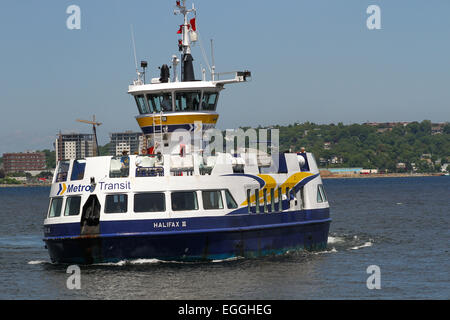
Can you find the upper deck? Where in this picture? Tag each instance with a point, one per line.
(181, 165)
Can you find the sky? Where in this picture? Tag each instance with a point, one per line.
(311, 60)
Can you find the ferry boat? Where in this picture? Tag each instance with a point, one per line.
(177, 202)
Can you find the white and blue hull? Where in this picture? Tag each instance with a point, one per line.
(191, 239)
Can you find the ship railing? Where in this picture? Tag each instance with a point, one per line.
(178, 172)
(207, 165)
(150, 172)
(205, 170)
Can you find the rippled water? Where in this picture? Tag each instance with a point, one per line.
(398, 224)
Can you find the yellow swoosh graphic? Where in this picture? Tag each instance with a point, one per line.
(270, 183)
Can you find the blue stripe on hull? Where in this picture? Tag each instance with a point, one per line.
(205, 239)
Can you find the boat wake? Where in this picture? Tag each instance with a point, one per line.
(38, 262)
(366, 244)
(348, 242)
(136, 262)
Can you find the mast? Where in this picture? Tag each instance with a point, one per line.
(187, 68)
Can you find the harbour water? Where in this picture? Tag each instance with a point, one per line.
(400, 225)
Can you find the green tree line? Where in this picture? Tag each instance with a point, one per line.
(371, 147)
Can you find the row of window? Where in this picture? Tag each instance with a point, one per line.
(119, 168)
(180, 101)
(148, 202)
(273, 201)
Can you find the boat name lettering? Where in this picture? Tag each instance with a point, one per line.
(169, 224)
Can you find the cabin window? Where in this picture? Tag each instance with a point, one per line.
(119, 167)
(209, 101)
(72, 206)
(231, 203)
(150, 202)
(321, 197)
(116, 203)
(184, 200)
(159, 102)
(324, 195)
(272, 200)
(265, 201)
(257, 200)
(212, 200)
(78, 170)
(55, 207)
(187, 101)
(142, 106)
(288, 198)
(301, 198)
(63, 169)
(280, 200)
(249, 204)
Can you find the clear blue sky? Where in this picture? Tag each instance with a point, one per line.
(311, 60)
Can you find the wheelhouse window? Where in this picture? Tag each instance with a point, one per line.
(78, 170)
(187, 101)
(209, 101)
(142, 106)
(55, 207)
(231, 203)
(116, 203)
(159, 102)
(184, 201)
(212, 200)
(149, 202)
(72, 206)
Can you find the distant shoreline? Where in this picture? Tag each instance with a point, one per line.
(378, 175)
(24, 185)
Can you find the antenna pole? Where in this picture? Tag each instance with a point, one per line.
(213, 67)
(138, 81)
(134, 47)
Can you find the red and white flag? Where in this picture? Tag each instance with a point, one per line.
(192, 23)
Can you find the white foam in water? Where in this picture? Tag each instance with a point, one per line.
(226, 259)
(367, 244)
(335, 239)
(145, 261)
(130, 262)
(37, 262)
(332, 250)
